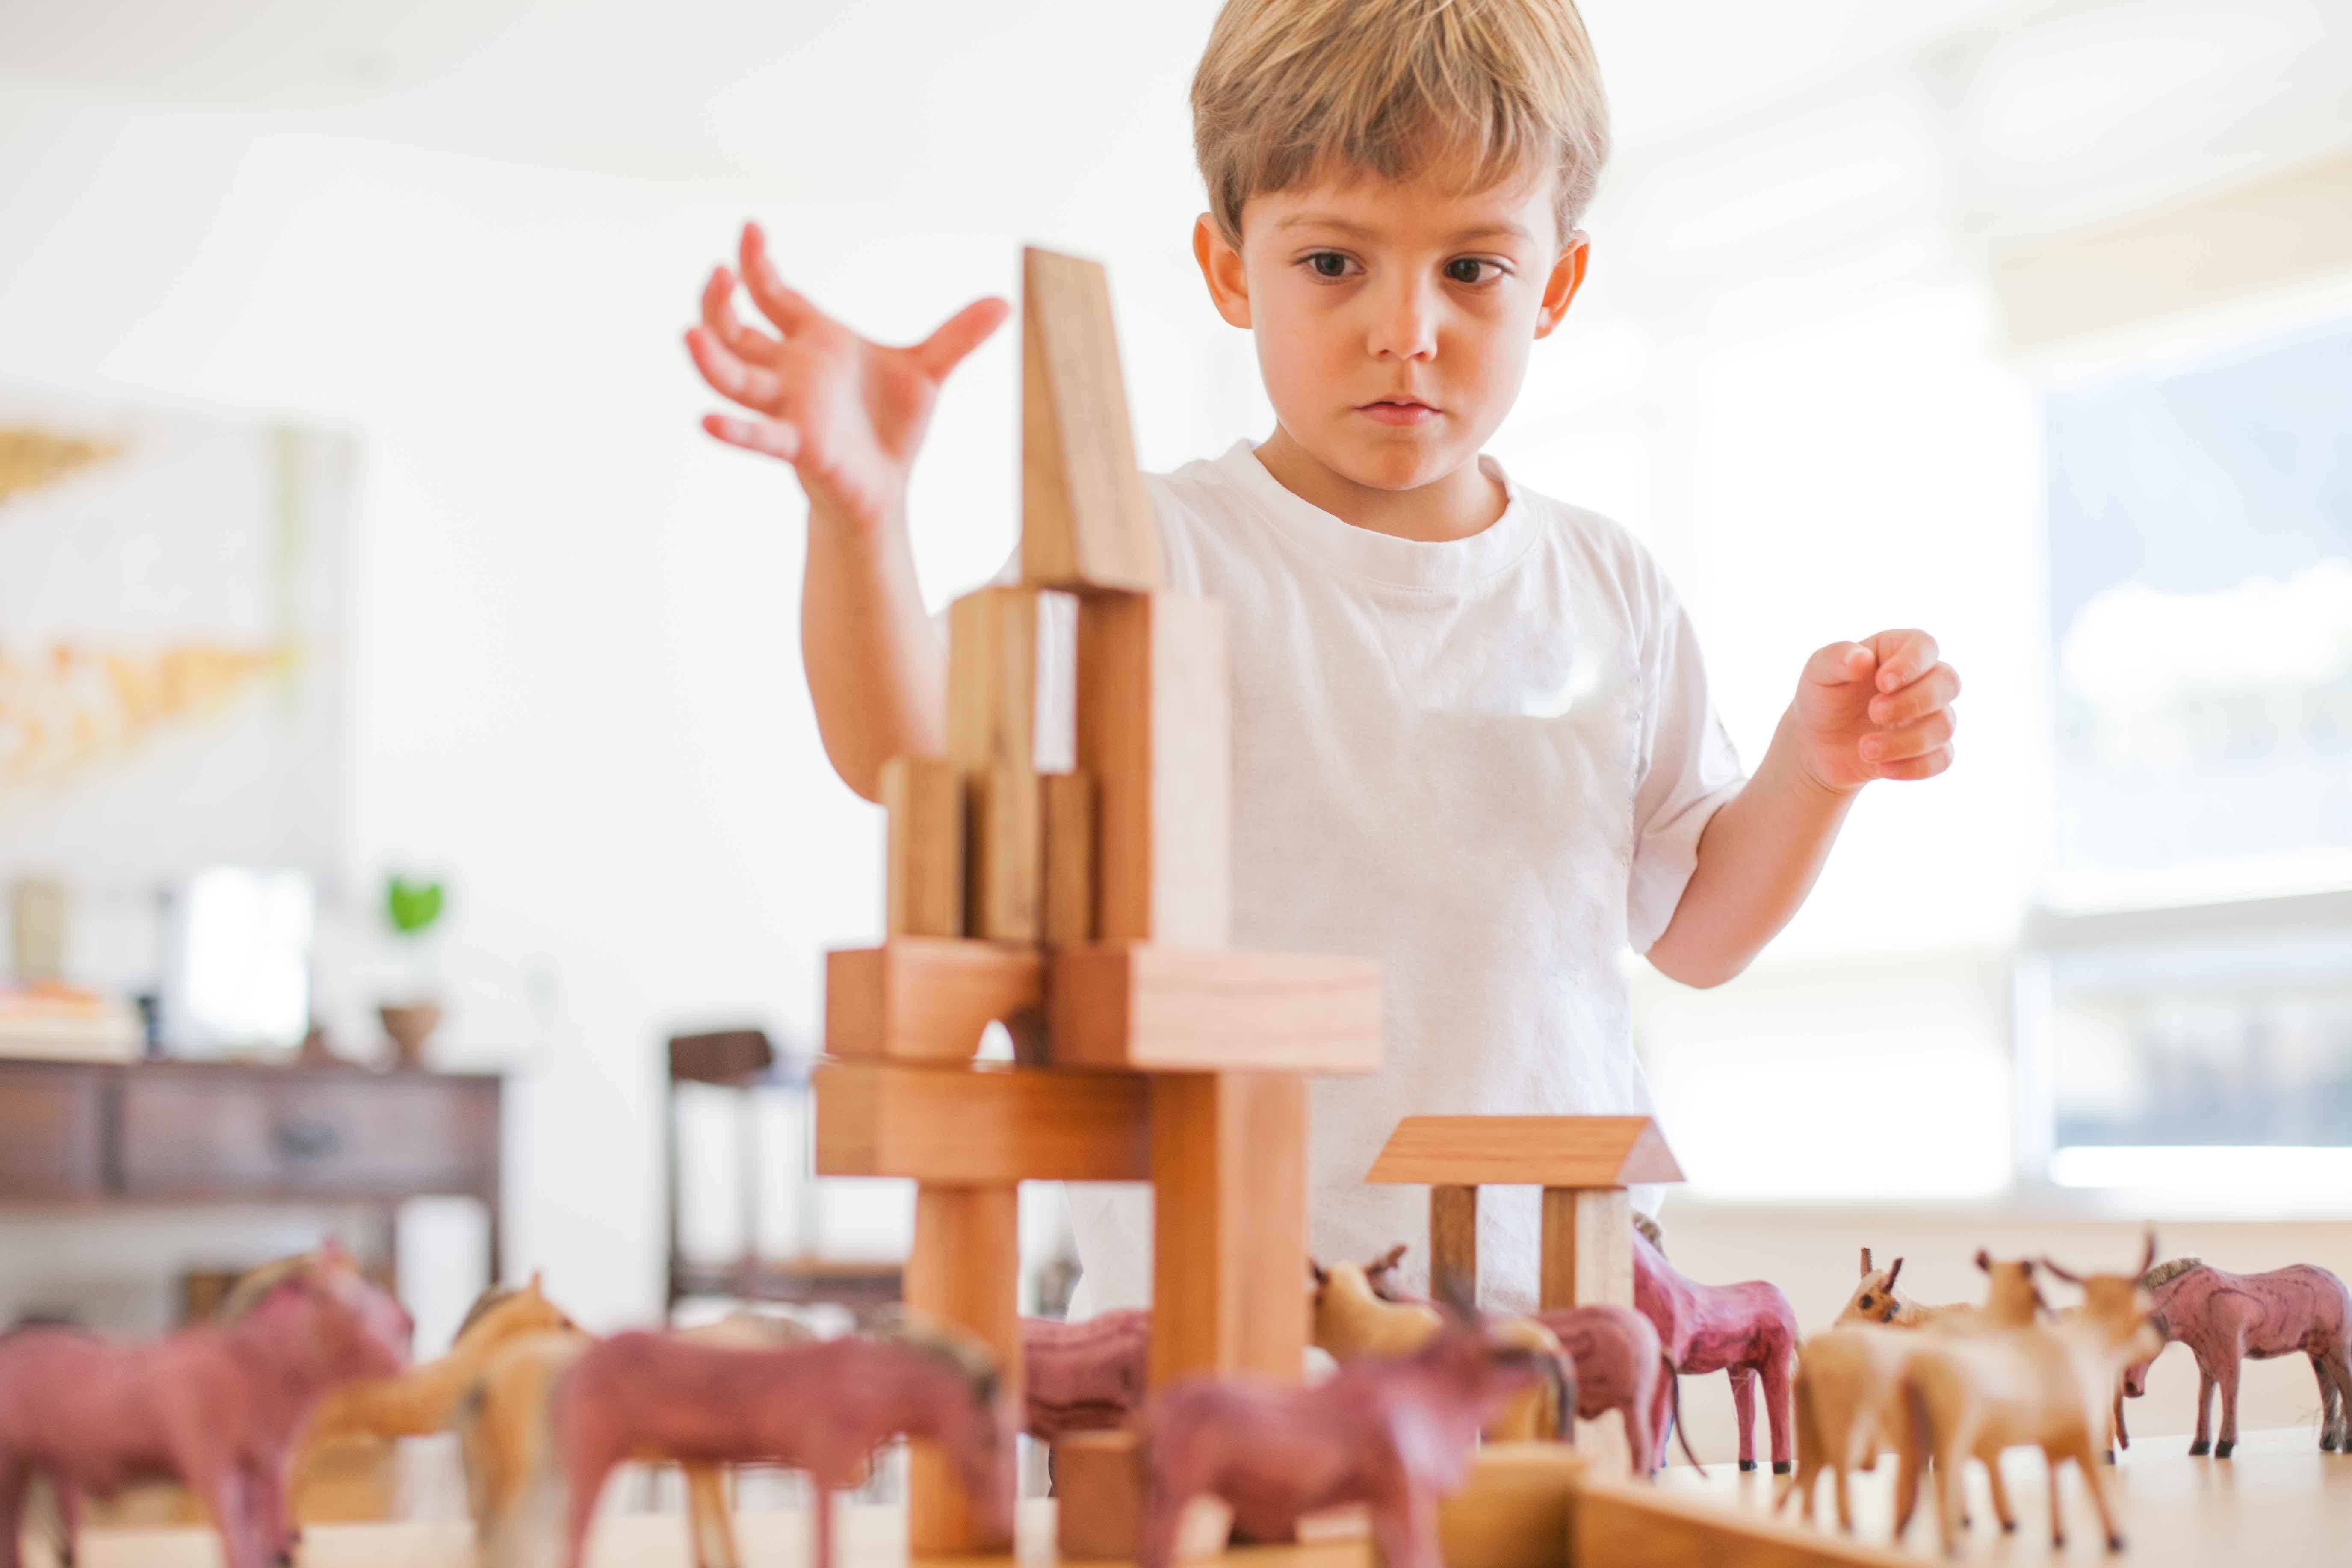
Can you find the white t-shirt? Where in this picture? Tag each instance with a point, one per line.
(1486, 764)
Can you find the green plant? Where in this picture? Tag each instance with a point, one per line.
(411, 906)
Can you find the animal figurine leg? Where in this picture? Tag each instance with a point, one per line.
(1664, 1401)
(1406, 1535)
(1775, 1410)
(2057, 1518)
(2203, 1443)
(2334, 1369)
(2228, 1441)
(265, 1512)
(2095, 1481)
(707, 1513)
(822, 1506)
(1951, 1452)
(1743, 1411)
(2000, 1508)
(220, 1485)
(14, 1480)
(587, 1482)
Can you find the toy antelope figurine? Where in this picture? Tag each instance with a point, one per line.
(822, 1406)
(1875, 1300)
(1971, 1396)
(417, 1402)
(1745, 1330)
(1391, 1433)
(2223, 1318)
(216, 1406)
(1351, 1318)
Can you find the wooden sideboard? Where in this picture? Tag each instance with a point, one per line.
(218, 1133)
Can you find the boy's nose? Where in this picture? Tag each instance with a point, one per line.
(1404, 326)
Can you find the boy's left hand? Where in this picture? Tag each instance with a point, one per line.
(1877, 708)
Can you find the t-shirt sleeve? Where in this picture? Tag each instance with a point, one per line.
(1688, 767)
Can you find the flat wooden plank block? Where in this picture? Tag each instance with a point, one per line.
(981, 1124)
(1008, 855)
(1086, 519)
(1635, 1524)
(1512, 1508)
(926, 998)
(1536, 1150)
(992, 678)
(965, 1270)
(1100, 1503)
(1587, 1248)
(1229, 1228)
(1069, 834)
(1453, 1244)
(1153, 728)
(923, 798)
(1147, 1007)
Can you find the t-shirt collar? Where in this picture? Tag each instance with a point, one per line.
(1382, 558)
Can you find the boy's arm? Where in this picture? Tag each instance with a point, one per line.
(848, 415)
(1880, 709)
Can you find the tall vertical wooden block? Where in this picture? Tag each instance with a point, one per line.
(1587, 1249)
(1069, 834)
(1228, 1242)
(1086, 520)
(1454, 1243)
(1154, 725)
(1007, 895)
(964, 1269)
(923, 798)
(992, 665)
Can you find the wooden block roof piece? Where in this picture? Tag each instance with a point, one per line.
(1086, 520)
(1540, 1150)
(982, 1125)
(1147, 1007)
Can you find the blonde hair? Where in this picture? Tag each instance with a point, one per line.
(1291, 90)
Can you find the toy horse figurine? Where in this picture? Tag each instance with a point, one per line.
(821, 1407)
(1743, 1330)
(1391, 1433)
(216, 1405)
(1087, 1376)
(2223, 1318)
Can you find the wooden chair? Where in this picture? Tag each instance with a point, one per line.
(743, 1061)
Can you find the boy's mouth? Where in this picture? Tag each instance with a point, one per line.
(1398, 411)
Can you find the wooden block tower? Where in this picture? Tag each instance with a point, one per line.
(1089, 911)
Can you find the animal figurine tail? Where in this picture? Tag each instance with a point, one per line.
(1674, 1404)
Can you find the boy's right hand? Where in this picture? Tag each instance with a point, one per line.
(846, 414)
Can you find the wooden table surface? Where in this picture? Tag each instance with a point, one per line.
(2278, 1502)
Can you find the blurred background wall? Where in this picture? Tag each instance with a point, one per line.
(1888, 304)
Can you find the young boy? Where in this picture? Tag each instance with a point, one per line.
(1471, 735)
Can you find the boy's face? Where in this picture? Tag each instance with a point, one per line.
(1394, 321)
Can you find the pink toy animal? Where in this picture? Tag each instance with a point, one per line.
(1084, 1376)
(215, 1407)
(1743, 1330)
(822, 1406)
(1395, 1433)
(1620, 1367)
(2223, 1317)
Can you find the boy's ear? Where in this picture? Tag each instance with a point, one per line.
(1221, 269)
(1566, 278)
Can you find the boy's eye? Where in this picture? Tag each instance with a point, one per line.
(1465, 269)
(1328, 264)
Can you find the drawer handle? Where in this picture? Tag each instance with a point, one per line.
(306, 1139)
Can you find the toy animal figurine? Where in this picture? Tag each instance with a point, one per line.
(1875, 1300)
(1971, 1396)
(417, 1402)
(1619, 1367)
(1395, 1433)
(1352, 1319)
(1085, 1376)
(1848, 1383)
(822, 1407)
(2223, 1318)
(504, 1428)
(1745, 1330)
(216, 1406)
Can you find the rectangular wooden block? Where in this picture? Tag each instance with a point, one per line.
(1069, 834)
(1229, 1230)
(965, 1270)
(1587, 1248)
(923, 797)
(992, 678)
(981, 1124)
(1512, 1508)
(1453, 1244)
(1153, 729)
(1100, 1503)
(1008, 855)
(1535, 1151)
(1086, 520)
(926, 998)
(1149, 1008)
(1636, 1524)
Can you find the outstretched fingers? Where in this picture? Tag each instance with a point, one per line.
(788, 309)
(770, 436)
(959, 335)
(729, 375)
(718, 316)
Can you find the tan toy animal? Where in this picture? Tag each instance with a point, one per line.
(1352, 1320)
(1971, 1396)
(1875, 1300)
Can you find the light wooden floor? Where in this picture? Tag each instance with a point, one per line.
(2278, 1503)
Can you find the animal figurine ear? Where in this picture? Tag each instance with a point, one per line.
(533, 1286)
(2147, 1259)
(1317, 1274)
(1385, 1261)
(1865, 1262)
(330, 1251)
(2071, 1278)
(1891, 1270)
(1984, 1260)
